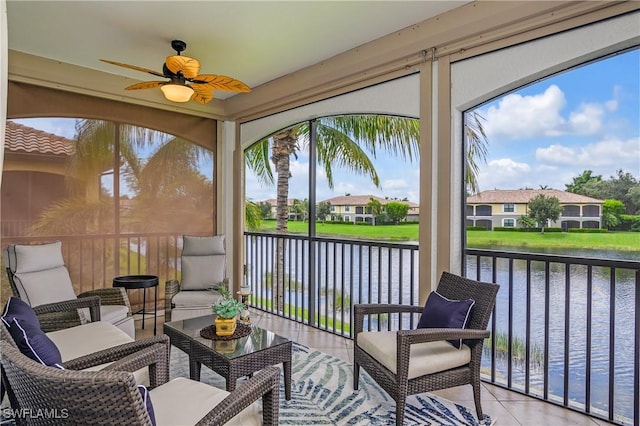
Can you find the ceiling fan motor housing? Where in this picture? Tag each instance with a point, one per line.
(178, 45)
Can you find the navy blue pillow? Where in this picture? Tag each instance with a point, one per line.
(17, 308)
(25, 329)
(440, 312)
(144, 393)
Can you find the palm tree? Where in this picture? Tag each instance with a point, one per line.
(341, 141)
(338, 143)
(161, 193)
(166, 190)
(477, 144)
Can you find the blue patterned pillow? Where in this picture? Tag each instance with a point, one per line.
(440, 312)
(144, 393)
(25, 329)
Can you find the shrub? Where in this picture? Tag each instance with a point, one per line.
(476, 228)
(588, 230)
(629, 222)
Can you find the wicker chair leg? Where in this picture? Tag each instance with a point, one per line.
(476, 398)
(356, 376)
(400, 403)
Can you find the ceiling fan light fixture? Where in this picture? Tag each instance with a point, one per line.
(177, 92)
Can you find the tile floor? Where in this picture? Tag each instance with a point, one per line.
(508, 408)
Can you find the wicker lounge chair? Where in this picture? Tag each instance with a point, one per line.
(113, 397)
(96, 345)
(37, 274)
(387, 356)
(203, 266)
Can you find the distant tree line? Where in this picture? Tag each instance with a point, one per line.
(621, 195)
(622, 187)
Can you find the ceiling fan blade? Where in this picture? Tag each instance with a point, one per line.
(202, 93)
(221, 82)
(133, 67)
(146, 85)
(189, 67)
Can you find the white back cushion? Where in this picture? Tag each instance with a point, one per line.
(40, 274)
(36, 257)
(203, 262)
(202, 246)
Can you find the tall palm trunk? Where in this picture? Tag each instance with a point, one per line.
(284, 145)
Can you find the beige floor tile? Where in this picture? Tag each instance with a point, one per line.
(534, 413)
(321, 339)
(502, 394)
(463, 395)
(500, 415)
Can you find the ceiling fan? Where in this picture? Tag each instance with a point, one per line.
(184, 81)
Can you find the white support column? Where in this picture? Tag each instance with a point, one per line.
(227, 187)
(4, 67)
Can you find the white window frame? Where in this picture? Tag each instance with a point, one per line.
(509, 219)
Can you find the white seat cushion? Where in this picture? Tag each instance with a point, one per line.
(85, 339)
(425, 358)
(109, 313)
(196, 298)
(182, 401)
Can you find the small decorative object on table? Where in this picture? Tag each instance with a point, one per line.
(227, 310)
(245, 292)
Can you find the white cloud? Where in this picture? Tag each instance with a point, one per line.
(518, 117)
(555, 154)
(521, 117)
(587, 120)
(503, 173)
(611, 153)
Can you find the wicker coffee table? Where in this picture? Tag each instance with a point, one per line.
(231, 359)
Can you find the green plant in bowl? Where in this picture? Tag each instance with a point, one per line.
(228, 307)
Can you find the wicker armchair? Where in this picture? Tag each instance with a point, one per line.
(112, 397)
(203, 268)
(398, 346)
(37, 274)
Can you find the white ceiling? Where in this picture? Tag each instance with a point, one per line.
(253, 41)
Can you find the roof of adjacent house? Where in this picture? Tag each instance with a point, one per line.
(362, 200)
(273, 202)
(20, 138)
(523, 196)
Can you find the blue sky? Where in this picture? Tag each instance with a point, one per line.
(587, 118)
(544, 134)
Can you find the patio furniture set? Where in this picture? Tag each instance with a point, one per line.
(73, 360)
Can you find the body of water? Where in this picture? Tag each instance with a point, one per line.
(370, 274)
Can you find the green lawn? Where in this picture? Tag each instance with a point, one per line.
(616, 241)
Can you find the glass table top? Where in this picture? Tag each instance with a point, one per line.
(258, 340)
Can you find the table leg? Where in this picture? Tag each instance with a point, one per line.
(144, 304)
(231, 383)
(155, 311)
(287, 380)
(194, 369)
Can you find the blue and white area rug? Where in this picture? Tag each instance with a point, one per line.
(322, 394)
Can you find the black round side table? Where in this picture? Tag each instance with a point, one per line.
(133, 282)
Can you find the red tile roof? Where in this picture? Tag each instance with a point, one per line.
(523, 196)
(362, 200)
(19, 138)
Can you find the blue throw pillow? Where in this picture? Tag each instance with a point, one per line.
(144, 393)
(440, 312)
(24, 327)
(17, 308)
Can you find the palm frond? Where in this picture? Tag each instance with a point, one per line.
(257, 160)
